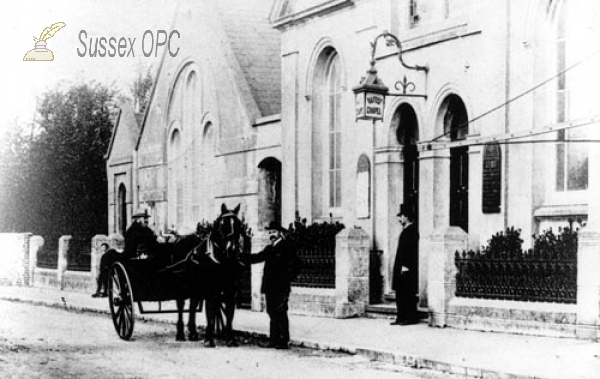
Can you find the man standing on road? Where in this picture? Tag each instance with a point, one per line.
(406, 277)
(282, 266)
(107, 258)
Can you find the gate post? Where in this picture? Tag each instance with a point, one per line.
(588, 284)
(351, 272)
(63, 258)
(440, 248)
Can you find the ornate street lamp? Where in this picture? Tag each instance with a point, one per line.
(370, 93)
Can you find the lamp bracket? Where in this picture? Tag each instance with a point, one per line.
(391, 40)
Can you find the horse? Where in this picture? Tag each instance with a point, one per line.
(211, 267)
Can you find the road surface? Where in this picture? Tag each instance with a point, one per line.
(42, 342)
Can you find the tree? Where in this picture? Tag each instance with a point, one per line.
(140, 90)
(64, 189)
(14, 172)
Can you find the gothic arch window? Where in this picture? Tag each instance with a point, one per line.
(334, 137)
(184, 155)
(176, 181)
(207, 173)
(327, 126)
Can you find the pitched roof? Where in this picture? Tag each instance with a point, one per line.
(257, 47)
(126, 124)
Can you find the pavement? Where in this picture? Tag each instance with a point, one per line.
(470, 353)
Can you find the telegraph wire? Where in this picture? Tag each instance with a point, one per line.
(543, 83)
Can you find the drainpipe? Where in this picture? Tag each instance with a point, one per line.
(506, 110)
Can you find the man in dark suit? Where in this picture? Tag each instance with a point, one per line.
(405, 280)
(107, 258)
(140, 240)
(282, 266)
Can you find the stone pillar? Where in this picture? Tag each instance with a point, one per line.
(434, 207)
(588, 283)
(588, 254)
(440, 248)
(24, 276)
(63, 258)
(351, 272)
(35, 244)
(259, 241)
(96, 255)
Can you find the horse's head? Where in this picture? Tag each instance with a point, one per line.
(228, 233)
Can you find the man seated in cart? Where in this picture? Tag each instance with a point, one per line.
(140, 240)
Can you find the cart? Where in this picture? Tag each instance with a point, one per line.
(143, 280)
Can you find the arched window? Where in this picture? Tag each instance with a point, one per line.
(571, 158)
(185, 108)
(207, 173)
(334, 135)
(122, 210)
(326, 137)
(176, 181)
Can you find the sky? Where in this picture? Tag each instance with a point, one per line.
(21, 82)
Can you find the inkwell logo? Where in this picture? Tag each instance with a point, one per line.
(40, 53)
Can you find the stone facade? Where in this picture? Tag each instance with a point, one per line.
(475, 63)
(494, 74)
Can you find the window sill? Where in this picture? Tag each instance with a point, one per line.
(561, 211)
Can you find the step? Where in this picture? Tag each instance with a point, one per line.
(387, 311)
(383, 310)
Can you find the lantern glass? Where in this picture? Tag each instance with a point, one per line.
(359, 105)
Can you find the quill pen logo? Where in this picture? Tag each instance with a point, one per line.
(40, 52)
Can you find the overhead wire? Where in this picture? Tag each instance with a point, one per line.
(524, 93)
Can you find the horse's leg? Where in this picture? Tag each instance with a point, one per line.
(229, 313)
(209, 335)
(192, 329)
(180, 333)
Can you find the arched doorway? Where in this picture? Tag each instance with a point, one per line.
(269, 191)
(456, 126)
(122, 210)
(407, 134)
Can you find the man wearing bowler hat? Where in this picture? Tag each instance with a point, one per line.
(140, 240)
(282, 266)
(405, 277)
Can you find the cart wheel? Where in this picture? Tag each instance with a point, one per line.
(120, 297)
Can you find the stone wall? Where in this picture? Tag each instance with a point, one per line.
(59, 278)
(14, 269)
(579, 320)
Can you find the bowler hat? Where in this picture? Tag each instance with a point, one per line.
(406, 210)
(141, 213)
(275, 225)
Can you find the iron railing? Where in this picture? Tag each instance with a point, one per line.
(503, 271)
(47, 258)
(316, 249)
(79, 255)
